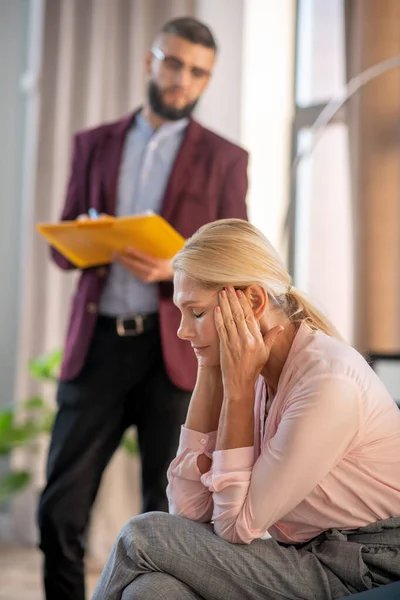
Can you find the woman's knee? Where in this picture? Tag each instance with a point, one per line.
(146, 531)
(150, 523)
(157, 585)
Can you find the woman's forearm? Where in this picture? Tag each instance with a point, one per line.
(205, 407)
(205, 404)
(236, 424)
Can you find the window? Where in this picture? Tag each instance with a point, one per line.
(321, 215)
(320, 64)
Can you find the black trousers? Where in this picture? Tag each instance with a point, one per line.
(122, 383)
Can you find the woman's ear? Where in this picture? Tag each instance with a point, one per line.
(258, 299)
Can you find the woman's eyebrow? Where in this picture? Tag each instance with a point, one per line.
(195, 301)
(188, 302)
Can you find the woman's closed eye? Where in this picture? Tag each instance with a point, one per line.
(198, 315)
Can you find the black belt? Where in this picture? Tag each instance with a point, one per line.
(132, 325)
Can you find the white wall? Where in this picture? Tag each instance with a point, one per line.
(250, 100)
(13, 32)
(221, 106)
(324, 262)
(267, 109)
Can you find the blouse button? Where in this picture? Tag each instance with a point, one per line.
(203, 441)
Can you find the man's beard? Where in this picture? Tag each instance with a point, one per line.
(163, 110)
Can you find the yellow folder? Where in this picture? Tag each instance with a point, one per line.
(92, 242)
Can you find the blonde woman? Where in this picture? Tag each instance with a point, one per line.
(286, 484)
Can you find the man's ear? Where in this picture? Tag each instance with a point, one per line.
(258, 299)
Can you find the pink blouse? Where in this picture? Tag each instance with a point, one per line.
(327, 457)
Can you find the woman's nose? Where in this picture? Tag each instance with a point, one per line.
(184, 332)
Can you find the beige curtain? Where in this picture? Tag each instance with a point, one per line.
(92, 71)
(372, 36)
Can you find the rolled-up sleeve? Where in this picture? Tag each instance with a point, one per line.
(229, 481)
(187, 495)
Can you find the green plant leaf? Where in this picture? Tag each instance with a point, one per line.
(40, 412)
(22, 423)
(46, 366)
(6, 420)
(12, 483)
(129, 443)
(16, 435)
(36, 402)
(47, 420)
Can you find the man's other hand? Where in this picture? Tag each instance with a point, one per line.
(145, 267)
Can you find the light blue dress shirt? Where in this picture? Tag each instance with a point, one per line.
(147, 161)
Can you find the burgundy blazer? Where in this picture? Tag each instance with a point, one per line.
(208, 182)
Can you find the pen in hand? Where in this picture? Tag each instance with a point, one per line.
(93, 214)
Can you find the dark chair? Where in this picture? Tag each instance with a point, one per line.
(385, 592)
(387, 367)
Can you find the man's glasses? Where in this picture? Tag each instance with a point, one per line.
(175, 65)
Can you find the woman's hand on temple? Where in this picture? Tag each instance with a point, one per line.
(243, 349)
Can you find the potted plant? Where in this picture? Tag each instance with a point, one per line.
(24, 423)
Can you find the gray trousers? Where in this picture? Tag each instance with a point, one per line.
(163, 557)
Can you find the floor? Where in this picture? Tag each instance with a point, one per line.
(20, 570)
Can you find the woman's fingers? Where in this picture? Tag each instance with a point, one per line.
(219, 324)
(237, 314)
(227, 315)
(250, 319)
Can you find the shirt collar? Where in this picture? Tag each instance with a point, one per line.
(165, 130)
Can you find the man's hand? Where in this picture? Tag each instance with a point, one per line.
(146, 268)
(87, 217)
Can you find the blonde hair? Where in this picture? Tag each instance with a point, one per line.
(234, 252)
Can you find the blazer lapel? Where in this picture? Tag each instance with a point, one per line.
(111, 161)
(181, 172)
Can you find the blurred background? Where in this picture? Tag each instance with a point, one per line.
(327, 196)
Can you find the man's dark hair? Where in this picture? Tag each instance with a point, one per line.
(192, 30)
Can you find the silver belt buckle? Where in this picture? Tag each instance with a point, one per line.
(123, 332)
